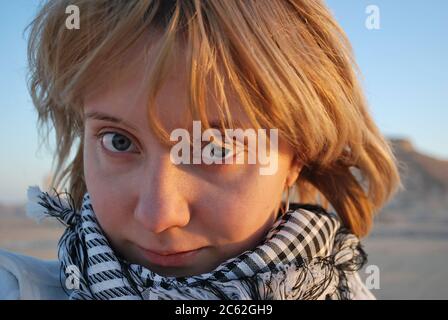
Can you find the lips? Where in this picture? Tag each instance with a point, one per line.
(168, 253)
(171, 258)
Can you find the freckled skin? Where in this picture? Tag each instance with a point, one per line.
(144, 200)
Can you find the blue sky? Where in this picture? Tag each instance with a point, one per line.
(404, 66)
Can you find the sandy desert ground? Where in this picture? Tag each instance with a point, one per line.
(412, 259)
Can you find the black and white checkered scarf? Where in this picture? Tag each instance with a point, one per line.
(305, 255)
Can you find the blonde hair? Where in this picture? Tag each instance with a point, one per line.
(289, 62)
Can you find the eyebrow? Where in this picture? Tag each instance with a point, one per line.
(106, 117)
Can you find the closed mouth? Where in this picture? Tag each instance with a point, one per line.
(173, 258)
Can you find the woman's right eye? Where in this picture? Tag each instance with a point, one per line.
(116, 142)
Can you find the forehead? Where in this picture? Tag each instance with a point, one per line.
(123, 90)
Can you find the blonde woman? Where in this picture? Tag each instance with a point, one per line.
(142, 225)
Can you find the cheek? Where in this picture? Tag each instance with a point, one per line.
(247, 209)
(107, 192)
(248, 206)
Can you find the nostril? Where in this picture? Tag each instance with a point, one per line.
(158, 218)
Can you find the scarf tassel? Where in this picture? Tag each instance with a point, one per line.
(42, 205)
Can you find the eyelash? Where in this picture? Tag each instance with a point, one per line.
(99, 136)
(216, 147)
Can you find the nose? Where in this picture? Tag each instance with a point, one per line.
(162, 203)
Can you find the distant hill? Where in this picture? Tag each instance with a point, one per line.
(425, 180)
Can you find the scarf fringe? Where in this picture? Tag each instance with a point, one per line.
(42, 205)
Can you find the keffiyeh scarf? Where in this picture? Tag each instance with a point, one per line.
(307, 254)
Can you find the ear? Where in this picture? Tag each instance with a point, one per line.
(293, 173)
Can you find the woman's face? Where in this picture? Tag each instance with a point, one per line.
(145, 203)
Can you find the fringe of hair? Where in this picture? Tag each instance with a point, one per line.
(289, 63)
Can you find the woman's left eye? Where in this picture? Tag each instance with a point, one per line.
(216, 152)
(116, 142)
